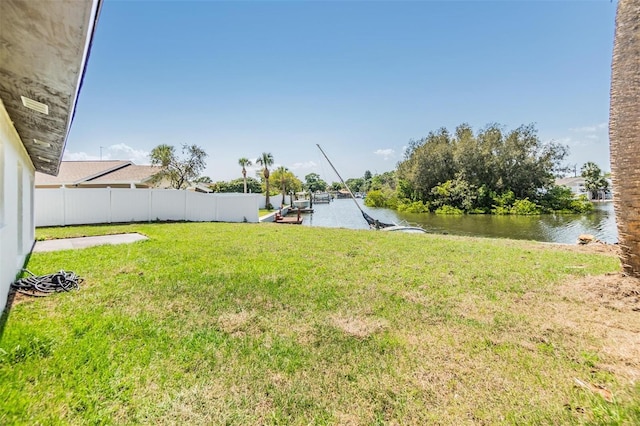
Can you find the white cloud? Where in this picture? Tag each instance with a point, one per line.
(571, 142)
(119, 151)
(385, 153)
(303, 165)
(589, 129)
(79, 156)
(123, 151)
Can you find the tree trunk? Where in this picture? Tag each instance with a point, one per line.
(244, 179)
(267, 200)
(624, 132)
(283, 194)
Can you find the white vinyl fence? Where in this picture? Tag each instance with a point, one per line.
(78, 206)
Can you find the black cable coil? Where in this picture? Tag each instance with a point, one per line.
(44, 285)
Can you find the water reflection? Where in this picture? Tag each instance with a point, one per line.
(551, 228)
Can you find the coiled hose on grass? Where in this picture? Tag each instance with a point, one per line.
(44, 285)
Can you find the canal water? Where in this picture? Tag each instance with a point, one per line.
(564, 228)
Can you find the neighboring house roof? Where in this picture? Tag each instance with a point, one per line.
(44, 48)
(570, 181)
(97, 172)
(128, 174)
(201, 187)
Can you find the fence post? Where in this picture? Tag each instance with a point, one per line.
(150, 204)
(186, 197)
(64, 205)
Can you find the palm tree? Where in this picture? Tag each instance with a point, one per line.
(624, 124)
(283, 178)
(244, 162)
(266, 160)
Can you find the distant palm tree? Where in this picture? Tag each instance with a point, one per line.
(283, 178)
(266, 160)
(624, 123)
(244, 162)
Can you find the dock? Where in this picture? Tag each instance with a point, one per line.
(290, 220)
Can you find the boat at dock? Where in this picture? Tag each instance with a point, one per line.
(301, 204)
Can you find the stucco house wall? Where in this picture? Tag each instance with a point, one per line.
(16, 208)
(44, 48)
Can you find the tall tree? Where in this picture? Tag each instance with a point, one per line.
(286, 181)
(203, 179)
(367, 180)
(266, 161)
(244, 162)
(428, 162)
(624, 127)
(494, 159)
(355, 184)
(178, 171)
(313, 183)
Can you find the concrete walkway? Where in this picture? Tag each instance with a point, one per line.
(84, 242)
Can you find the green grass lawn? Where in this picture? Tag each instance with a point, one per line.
(265, 324)
(262, 212)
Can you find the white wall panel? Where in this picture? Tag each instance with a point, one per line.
(237, 207)
(74, 206)
(130, 205)
(49, 206)
(201, 207)
(168, 204)
(87, 206)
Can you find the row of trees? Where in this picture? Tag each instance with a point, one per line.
(493, 170)
(181, 171)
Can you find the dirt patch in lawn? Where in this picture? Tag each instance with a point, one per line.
(235, 322)
(591, 248)
(358, 327)
(608, 308)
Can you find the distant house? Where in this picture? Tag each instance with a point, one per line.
(100, 174)
(201, 187)
(44, 48)
(343, 193)
(577, 186)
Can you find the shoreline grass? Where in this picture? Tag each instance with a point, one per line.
(211, 323)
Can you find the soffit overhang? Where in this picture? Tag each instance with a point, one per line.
(44, 47)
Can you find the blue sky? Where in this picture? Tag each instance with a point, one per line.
(359, 78)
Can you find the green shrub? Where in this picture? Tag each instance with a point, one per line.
(500, 210)
(581, 204)
(456, 193)
(477, 210)
(375, 198)
(446, 209)
(392, 202)
(506, 199)
(525, 207)
(413, 207)
(557, 198)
